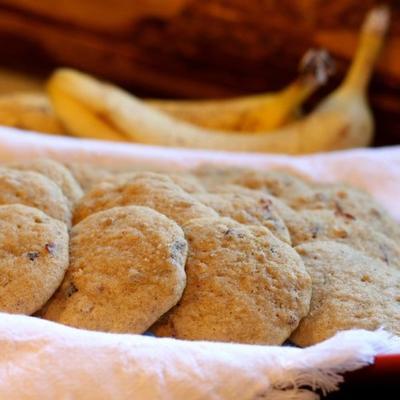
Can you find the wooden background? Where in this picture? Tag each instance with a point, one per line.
(198, 48)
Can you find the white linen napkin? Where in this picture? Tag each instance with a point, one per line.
(43, 360)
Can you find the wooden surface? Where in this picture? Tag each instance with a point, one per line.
(198, 48)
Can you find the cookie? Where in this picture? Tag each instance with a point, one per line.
(87, 175)
(34, 190)
(243, 285)
(58, 173)
(349, 202)
(125, 278)
(34, 258)
(147, 189)
(256, 209)
(279, 183)
(350, 291)
(187, 182)
(312, 225)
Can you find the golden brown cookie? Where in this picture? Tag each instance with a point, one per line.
(256, 209)
(34, 190)
(185, 181)
(127, 269)
(147, 189)
(312, 225)
(350, 291)
(349, 202)
(33, 258)
(243, 285)
(58, 173)
(188, 182)
(87, 175)
(279, 183)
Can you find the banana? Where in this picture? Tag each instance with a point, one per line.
(29, 111)
(256, 113)
(341, 121)
(79, 120)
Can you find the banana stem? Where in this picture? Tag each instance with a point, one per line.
(315, 68)
(370, 44)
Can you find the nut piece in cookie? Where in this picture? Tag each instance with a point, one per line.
(58, 173)
(126, 271)
(350, 291)
(33, 258)
(146, 189)
(243, 285)
(34, 190)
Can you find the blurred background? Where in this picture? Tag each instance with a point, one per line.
(196, 48)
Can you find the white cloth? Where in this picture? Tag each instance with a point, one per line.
(43, 360)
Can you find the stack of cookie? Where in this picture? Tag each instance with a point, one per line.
(222, 254)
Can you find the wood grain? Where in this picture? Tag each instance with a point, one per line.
(198, 48)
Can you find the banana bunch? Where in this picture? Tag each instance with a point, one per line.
(270, 122)
(263, 112)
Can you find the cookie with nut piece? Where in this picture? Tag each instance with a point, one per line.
(350, 291)
(146, 189)
(56, 172)
(351, 203)
(34, 190)
(243, 285)
(256, 208)
(33, 258)
(315, 225)
(127, 269)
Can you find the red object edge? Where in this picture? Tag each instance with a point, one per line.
(385, 369)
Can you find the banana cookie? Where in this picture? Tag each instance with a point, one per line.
(349, 202)
(350, 291)
(58, 173)
(33, 258)
(256, 209)
(277, 182)
(146, 189)
(186, 181)
(126, 271)
(34, 190)
(88, 175)
(312, 225)
(243, 285)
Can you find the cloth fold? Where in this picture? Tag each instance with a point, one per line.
(43, 360)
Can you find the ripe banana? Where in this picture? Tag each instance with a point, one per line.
(256, 113)
(343, 120)
(81, 121)
(29, 111)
